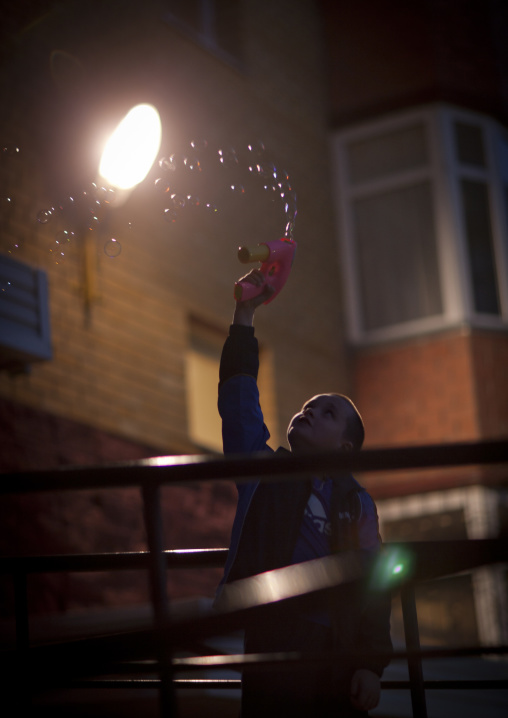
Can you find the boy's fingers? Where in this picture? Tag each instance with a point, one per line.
(255, 276)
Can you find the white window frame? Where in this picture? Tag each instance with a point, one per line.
(444, 173)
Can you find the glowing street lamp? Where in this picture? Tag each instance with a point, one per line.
(132, 148)
(126, 160)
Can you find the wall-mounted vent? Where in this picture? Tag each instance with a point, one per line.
(24, 314)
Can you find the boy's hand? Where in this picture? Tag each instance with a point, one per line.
(365, 690)
(244, 311)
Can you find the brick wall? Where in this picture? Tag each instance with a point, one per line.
(419, 392)
(115, 388)
(490, 359)
(97, 520)
(437, 389)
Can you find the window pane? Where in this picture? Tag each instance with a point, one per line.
(475, 202)
(387, 154)
(469, 144)
(202, 372)
(397, 258)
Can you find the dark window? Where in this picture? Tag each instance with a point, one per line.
(469, 144)
(480, 246)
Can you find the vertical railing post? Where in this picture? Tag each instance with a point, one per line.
(160, 601)
(23, 686)
(412, 635)
(21, 610)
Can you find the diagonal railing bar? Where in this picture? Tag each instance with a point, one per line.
(303, 585)
(265, 467)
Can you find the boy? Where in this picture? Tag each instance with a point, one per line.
(283, 523)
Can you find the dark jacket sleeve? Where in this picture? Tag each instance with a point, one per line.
(240, 354)
(243, 427)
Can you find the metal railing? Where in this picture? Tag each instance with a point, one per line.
(88, 662)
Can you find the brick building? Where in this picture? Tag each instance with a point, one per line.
(419, 111)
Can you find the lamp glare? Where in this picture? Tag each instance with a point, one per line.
(132, 148)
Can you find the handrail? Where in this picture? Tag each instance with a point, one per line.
(243, 467)
(120, 561)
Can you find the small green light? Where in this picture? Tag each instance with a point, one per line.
(398, 568)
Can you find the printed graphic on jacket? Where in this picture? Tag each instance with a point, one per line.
(314, 538)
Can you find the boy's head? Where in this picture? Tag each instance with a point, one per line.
(326, 422)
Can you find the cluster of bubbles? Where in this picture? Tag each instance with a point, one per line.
(237, 170)
(92, 204)
(253, 163)
(7, 203)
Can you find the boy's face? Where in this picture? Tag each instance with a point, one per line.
(320, 425)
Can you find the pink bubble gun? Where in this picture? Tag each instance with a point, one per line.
(276, 259)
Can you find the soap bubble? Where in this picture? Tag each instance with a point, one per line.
(193, 202)
(269, 171)
(103, 193)
(256, 169)
(178, 201)
(57, 251)
(256, 148)
(93, 222)
(228, 157)
(199, 145)
(290, 228)
(176, 205)
(112, 247)
(290, 204)
(64, 236)
(272, 191)
(6, 208)
(65, 205)
(237, 189)
(192, 163)
(284, 188)
(170, 215)
(45, 216)
(164, 163)
(162, 185)
(175, 162)
(9, 151)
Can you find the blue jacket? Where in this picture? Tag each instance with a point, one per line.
(268, 515)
